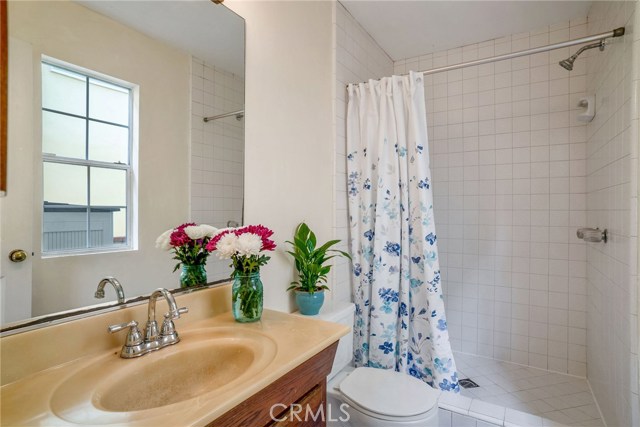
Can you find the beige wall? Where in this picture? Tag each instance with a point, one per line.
(163, 74)
(289, 121)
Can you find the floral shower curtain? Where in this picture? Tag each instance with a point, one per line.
(400, 320)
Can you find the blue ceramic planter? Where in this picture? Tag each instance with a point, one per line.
(309, 304)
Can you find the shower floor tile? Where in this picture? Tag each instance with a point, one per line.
(561, 398)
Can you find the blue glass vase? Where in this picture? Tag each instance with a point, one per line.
(193, 275)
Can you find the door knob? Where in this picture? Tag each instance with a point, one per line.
(17, 255)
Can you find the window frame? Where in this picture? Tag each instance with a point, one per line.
(127, 167)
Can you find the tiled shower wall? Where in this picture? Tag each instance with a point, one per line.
(358, 58)
(508, 168)
(217, 152)
(612, 191)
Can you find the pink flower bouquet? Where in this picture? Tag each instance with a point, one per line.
(243, 246)
(188, 242)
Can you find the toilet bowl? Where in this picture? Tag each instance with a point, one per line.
(369, 397)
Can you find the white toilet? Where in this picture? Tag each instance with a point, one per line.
(366, 397)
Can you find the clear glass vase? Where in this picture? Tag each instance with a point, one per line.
(193, 275)
(246, 297)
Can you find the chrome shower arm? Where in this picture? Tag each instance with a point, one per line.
(567, 64)
(600, 45)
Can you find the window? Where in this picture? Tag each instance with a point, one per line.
(86, 154)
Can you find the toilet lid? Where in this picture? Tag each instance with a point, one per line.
(388, 392)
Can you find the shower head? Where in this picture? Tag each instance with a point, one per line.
(567, 64)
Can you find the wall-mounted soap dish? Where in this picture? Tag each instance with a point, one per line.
(588, 103)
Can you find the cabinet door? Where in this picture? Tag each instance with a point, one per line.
(309, 411)
(305, 386)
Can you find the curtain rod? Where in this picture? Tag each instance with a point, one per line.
(618, 32)
(239, 114)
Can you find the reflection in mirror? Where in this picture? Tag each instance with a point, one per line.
(86, 151)
(108, 146)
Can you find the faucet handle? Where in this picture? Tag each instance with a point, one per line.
(169, 335)
(133, 346)
(176, 313)
(120, 326)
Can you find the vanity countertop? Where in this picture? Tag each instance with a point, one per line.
(40, 398)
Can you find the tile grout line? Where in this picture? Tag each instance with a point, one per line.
(604, 422)
(521, 365)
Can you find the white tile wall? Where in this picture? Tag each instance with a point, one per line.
(612, 159)
(508, 164)
(358, 58)
(217, 152)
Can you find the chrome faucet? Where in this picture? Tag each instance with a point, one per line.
(135, 345)
(168, 334)
(116, 285)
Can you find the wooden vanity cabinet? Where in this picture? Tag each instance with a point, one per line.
(296, 398)
(305, 412)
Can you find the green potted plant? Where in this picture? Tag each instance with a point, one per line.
(311, 264)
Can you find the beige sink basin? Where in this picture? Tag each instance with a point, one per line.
(205, 362)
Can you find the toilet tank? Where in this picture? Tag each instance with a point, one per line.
(340, 312)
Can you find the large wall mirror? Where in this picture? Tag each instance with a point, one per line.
(108, 145)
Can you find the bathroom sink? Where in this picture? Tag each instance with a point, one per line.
(180, 376)
(206, 361)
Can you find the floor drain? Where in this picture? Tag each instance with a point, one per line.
(467, 383)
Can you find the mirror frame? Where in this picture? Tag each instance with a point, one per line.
(4, 96)
(92, 310)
